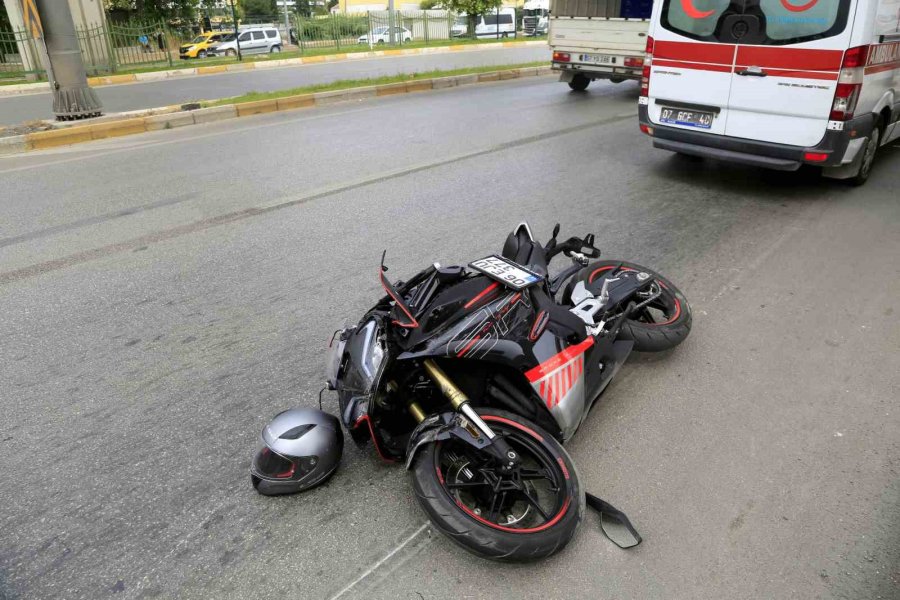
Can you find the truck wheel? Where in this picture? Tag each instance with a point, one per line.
(869, 152)
(616, 79)
(579, 83)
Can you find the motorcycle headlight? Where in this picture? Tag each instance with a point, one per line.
(366, 352)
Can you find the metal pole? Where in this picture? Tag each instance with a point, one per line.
(237, 41)
(391, 20)
(287, 23)
(73, 98)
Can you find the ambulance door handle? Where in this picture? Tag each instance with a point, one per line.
(753, 72)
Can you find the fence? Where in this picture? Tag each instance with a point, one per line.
(108, 48)
(104, 49)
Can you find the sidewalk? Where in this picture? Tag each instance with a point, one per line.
(43, 87)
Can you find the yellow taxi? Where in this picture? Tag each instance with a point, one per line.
(197, 47)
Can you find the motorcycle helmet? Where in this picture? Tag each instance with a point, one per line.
(301, 448)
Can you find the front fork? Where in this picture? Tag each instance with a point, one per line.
(493, 444)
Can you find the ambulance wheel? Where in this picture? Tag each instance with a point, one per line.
(868, 158)
(579, 83)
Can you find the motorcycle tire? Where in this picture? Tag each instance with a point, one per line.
(662, 334)
(461, 511)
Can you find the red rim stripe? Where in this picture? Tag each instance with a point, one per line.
(546, 525)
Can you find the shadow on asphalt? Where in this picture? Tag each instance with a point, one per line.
(771, 186)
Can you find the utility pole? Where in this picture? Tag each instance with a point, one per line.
(287, 23)
(73, 98)
(237, 34)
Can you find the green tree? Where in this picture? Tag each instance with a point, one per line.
(473, 9)
(157, 9)
(4, 19)
(430, 4)
(259, 8)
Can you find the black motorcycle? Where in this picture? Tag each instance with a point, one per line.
(475, 376)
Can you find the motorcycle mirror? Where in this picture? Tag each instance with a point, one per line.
(555, 231)
(618, 531)
(614, 523)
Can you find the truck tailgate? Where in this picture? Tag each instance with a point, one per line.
(619, 35)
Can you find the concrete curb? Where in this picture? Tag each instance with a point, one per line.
(170, 117)
(38, 88)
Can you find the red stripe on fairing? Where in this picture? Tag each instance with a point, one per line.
(374, 439)
(694, 52)
(792, 59)
(481, 295)
(695, 66)
(556, 361)
(468, 346)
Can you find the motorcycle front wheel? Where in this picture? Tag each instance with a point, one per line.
(513, 517)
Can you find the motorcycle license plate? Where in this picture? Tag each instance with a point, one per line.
(505, 271)
(692, 118)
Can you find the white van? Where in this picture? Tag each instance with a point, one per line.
(774, 83)
(497, 23)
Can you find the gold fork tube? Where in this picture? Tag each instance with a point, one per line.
(455, 395)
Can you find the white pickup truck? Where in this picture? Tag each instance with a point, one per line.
(598, 39)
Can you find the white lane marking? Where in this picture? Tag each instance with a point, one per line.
(384, 559)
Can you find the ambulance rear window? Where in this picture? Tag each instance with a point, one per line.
(763, 22)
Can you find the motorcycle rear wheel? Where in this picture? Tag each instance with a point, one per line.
(667, 321)
(457, 486)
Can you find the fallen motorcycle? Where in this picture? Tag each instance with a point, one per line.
(474, 377)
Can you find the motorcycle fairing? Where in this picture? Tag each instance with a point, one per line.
(559, 382)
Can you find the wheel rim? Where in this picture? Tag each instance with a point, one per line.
(532, 499)
(869, 156)
(664, 310)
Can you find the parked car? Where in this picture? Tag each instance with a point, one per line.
(382, 35)
(774, 84)
(500, 23)
(199, 46)
(253, 40)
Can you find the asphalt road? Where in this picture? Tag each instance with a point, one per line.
(160, 300)
(152, 94)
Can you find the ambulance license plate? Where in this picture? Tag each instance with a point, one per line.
(691, 118)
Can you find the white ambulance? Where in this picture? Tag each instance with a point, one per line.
(774, 83)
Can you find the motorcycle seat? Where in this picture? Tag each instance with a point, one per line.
(522, 249)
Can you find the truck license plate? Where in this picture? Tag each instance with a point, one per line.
(598, 59)
(692, 118)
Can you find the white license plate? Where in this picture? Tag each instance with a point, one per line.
(691, 118)
(598, 59)
(506, 272)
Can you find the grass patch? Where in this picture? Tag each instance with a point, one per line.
(345, 84)
(348, 49)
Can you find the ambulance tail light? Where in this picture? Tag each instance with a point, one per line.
(645, 74)
(849, 85)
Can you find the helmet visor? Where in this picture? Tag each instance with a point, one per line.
(272, 465)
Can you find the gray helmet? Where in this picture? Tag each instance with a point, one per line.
(301, 448)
